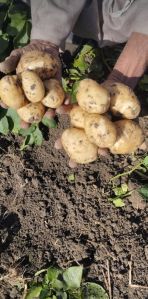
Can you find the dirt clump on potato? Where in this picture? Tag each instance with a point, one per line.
(100, 130)
(78, 147)
(92, 97)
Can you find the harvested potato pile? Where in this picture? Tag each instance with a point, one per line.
(96, 127)
(28, 92)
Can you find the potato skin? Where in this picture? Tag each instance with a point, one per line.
(129, 137)
(44, 64)
(77, 117)
(124, 102)
(55, 94)
(78, 147)
(32, 113)
(92, 97)
(11, 93)
(33, 86)
(100, 130)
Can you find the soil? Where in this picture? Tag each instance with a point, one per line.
(47, 220)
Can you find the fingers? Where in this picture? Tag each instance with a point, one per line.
(10, 63)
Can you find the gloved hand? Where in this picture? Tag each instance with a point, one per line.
(132, 62)
(10, 63)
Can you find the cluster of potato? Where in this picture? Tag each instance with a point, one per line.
(29, 91)
(92, 127)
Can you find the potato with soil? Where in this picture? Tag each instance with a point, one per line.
(32, 113)
(77, 117)
(55, 94)
(44, 64)
(129, 137)
(92, 97)
(11, 93)
(78, 147)
(33, 86)
(124, 102)
(100, 130)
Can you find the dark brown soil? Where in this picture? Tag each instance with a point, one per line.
(47, 220)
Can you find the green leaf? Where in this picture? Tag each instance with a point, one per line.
(58, 284)
(34, 292)
(93, 291)
(84, 58)
(3, 15)
(14, 120)
(49, 122)
(73, 276)
(28, 131)
(4, 43)
(74, 92)
(71, 178)
(52, 274)
(121, 190)
(144, 192)
(145, 161)
(118, 202)
(45, 292)
(29, 140)
(61, 295)
(4, 126)
(38, 136)
(23, 37)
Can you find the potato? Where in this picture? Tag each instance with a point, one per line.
(77, 117)
(78, 147)
(100, 130)
(11, 93)
(55, 94)
(44, 64)
(92, 97)
(33, 86)
(124, 102)
(129, 137)
(32, 113)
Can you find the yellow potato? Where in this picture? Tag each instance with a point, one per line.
(55, 94)
(129, 137)
(11, 93)
(78, 147)
(100, 130)
(124, 102)
(77, 117)
(32, 113)
(92, 97)
(44, 64)
(33, 86)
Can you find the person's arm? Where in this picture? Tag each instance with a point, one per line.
(132, 62)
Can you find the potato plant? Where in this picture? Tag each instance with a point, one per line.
(65, 284)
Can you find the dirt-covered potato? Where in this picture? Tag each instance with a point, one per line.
(100, 130)
(77, 117)
(32, 113)
(78, 147)
(129, 137)
(44, 64)
(55, 94)
(92, 97)
(11, 93)
(124, 102)
(33, 86)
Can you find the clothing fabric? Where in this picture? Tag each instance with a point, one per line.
(106, 21)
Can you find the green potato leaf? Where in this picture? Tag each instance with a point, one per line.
(4, 126)
(121, 190)
(118, 202)
(144, 192)
(34, 292)
(72, 277)
(145, 162)
(14, 120)
(93, 291)
(49, 122)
